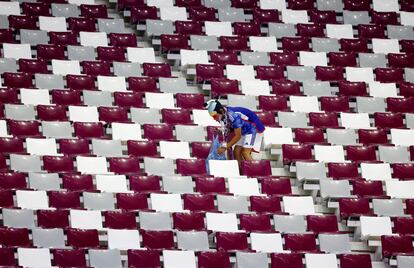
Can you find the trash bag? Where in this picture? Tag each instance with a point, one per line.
(213, 155)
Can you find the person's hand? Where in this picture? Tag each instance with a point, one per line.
(221, 150)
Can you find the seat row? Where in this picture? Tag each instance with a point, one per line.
(260, 57)
(85, 53)
(54, 9)
(208, 259)
(155, 28)
(377, 5)
(336, 153)
(139, 13)
(349, 171)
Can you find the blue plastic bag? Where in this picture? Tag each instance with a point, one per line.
(213, 155)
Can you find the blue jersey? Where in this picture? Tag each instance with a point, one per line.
(245, 119)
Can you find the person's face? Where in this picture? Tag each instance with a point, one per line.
(216, 116)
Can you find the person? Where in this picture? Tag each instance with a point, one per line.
(247, 127)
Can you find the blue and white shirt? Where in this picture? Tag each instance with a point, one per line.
(247, 120)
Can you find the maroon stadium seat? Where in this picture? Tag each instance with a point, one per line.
(11, 145)
(143, 258)
(396, 245)
(24, 128)
(224, 57)
(142, 13)
(129, 99)
(322, 16)
(189, 101)
(322, 223)
(120, 219)
(232, 43)
(124, 165)
(51, 112)
(221, 87)
(329, 73)
(157, 69)
(276, 186)
(342, 59)
(199, 202)
(64, 199)
(77, 182)
(404, 225)
(228, 241)
(63, 38)
(335, 104)
(113, 114)
(255, 222)
(206, 72)
(286, 260)
(368, 189)
(89, 129)
(354, 45)
(300, 4)
(19, 80)
(74, 146)
(268, 118)
(211, 259)
(123, 40)
(188, 167)
(132, 201)
(273, 103)
(403, 171)
(9, 95)
(152, 239)
(343, 170)
(14, 237)
(294, 152)
(188, 221)
(210, 185)
(309, 135)
(12, 180)
(50, 52)
(111, 53)
(256, 168)
(284, 58)
(247, 28)
(58, 163)
(286, 87)
(189, 27)
(7, 257)
(361, 153)
(300, 242)
(80, 82)
(6, 199)
(66, 97)
(18, 22)
(143, 184)
(354, 207)
(388, 120)
(142, 148)
(36, 9)
(265, 204)
(96, 68)
(69, 257)
(372, 136)
(389, 75)
(310, 30)
(142, 84)
(357, 5)
(56, 218)
(355, 260)
(270, 72)
(82, 24)
(324, 120)
(94, 11)
(265, 15)
(32, 66)
(174, 42)
(400, 105)
(295, 43)
(158, 132)
(202, 13)
(82, 238)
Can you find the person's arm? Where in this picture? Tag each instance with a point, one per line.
(233, 141)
